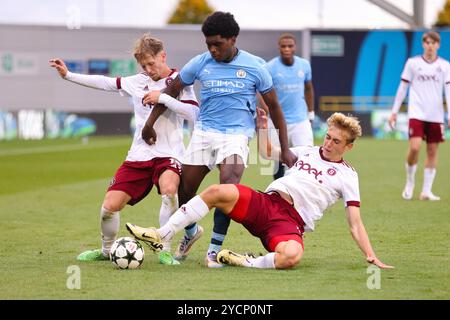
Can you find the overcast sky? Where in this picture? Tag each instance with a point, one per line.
(250, 14)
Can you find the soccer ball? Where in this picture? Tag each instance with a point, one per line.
(126, 253)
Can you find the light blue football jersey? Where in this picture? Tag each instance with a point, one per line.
(228, 91)
(289, 82)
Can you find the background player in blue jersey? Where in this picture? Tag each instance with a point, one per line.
(229, 80)
(292, 78)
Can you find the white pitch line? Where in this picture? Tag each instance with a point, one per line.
(62, 148)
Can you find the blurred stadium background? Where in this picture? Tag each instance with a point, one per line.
(354, 70)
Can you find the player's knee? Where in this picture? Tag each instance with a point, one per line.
(232, 177)
(212, 194)
(169, 189)
(112, 203)
(291, 255)
(289, 262)
(414, 149)
(213, 190)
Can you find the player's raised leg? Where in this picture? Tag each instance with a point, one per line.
(223, 197)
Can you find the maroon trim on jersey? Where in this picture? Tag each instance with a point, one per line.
(172, 72)
(430, 62)
(405, 80)
(325, 159)
(119, 83)
(345, 163)
(195, 103)
(353, 204)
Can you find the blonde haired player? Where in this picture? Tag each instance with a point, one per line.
(429, 77)
(145, 165)
(290, 205)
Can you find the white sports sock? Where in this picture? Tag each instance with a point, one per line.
(109, 222)
(428, 178)
(169, 204)
(410, 173)
(188, 213)
(263, 262)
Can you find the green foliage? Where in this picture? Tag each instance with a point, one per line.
(50, 197)
(443, 19)
(191, 12)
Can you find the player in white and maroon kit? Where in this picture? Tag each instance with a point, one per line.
(145, 165)
(289, 206)
(429, 77)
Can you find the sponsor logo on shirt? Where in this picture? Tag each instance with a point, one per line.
(428, 77)
(223, 85)
(301, 165)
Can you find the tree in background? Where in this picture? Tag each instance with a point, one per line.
(443, 19)
(191, 12)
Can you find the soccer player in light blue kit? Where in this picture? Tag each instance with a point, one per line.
(230, 79)
(292, 78)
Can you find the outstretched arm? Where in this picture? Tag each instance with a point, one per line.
(91, 81)
(360, 236)
(271, 100)
(173, 90)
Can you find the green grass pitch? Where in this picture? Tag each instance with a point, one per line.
(50, 197)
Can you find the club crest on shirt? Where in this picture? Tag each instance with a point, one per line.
(168, 81)
(241, 73)
(331, 171)
(301, 74)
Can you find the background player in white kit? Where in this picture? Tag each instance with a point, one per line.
(145, 165)
(292, 79)
(290, 204)
(429, 76)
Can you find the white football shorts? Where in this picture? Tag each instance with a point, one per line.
(299, 134)
(211, 148)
